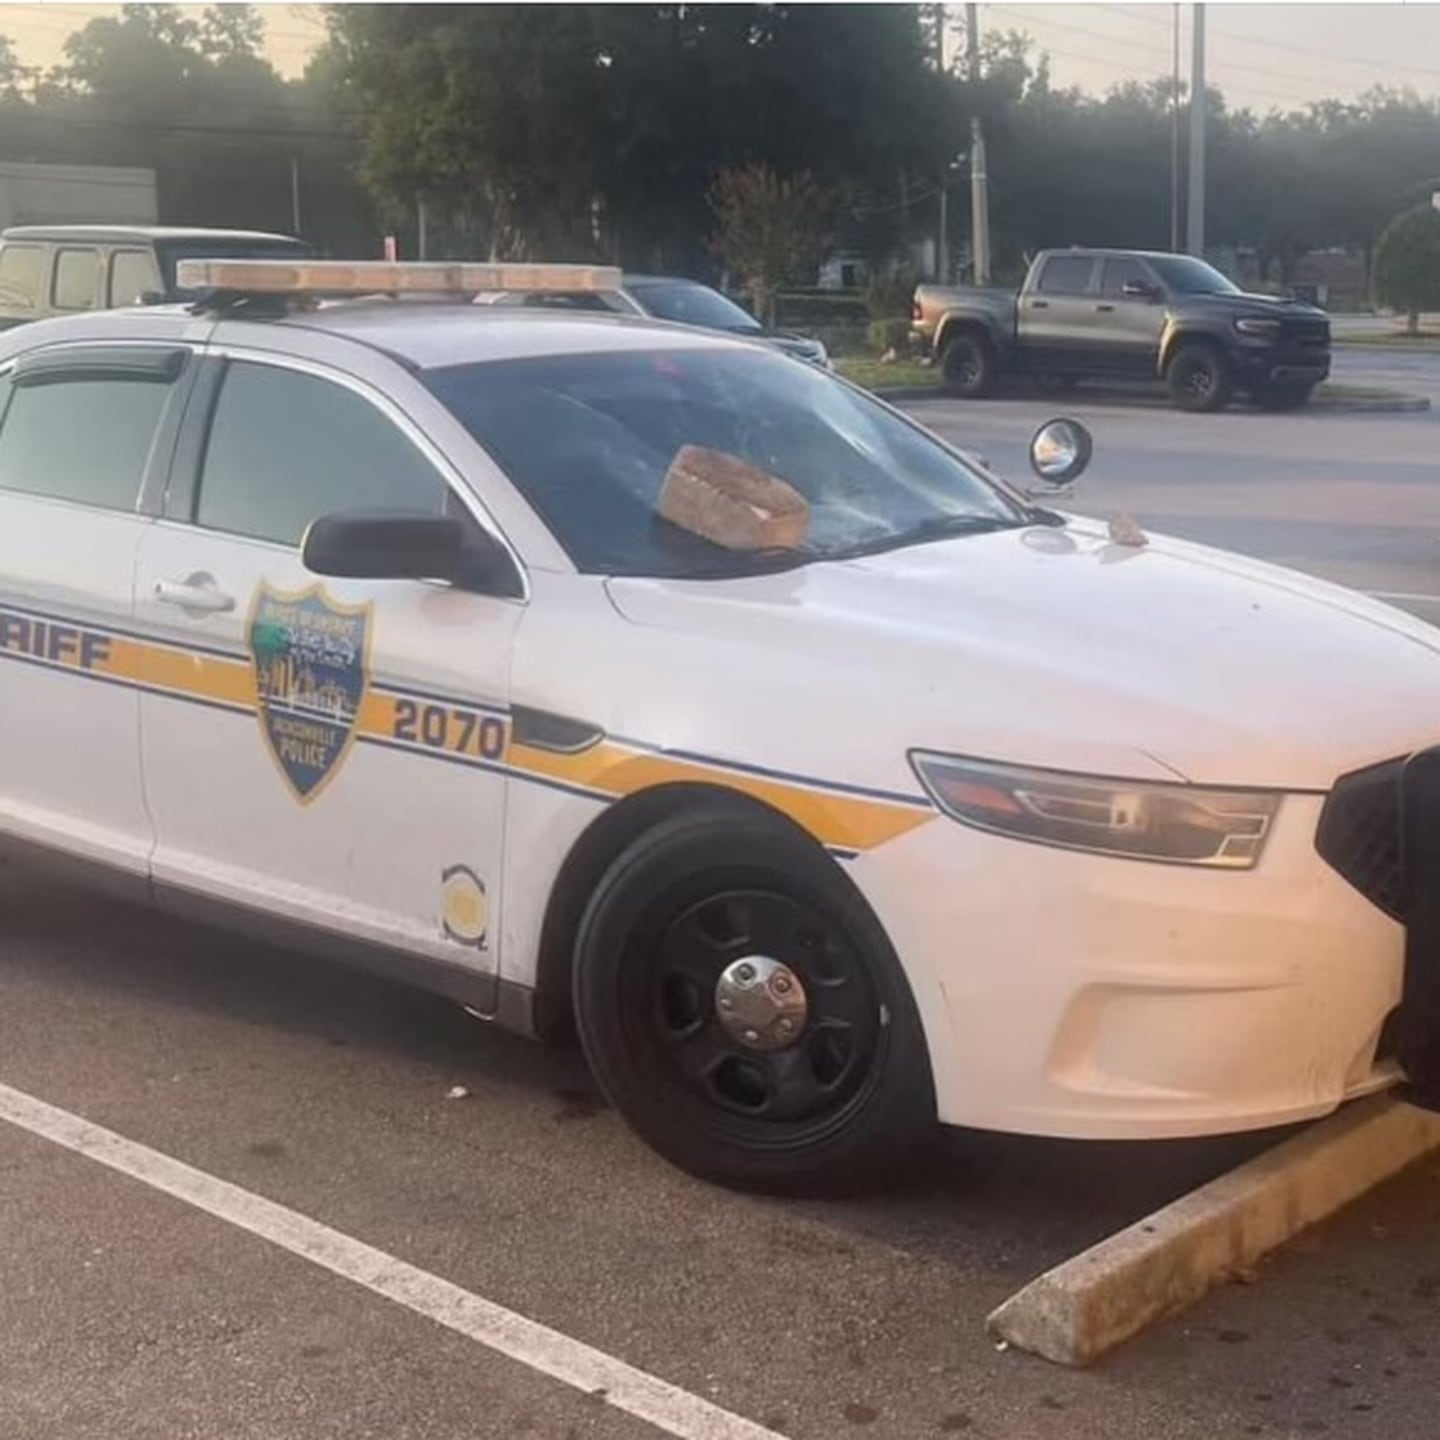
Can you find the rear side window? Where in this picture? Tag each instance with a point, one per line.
(77, 276)
(132, 273)
(22, 277)
(86, 439)
(286, 447)
(1120, 271)
(1066, 275)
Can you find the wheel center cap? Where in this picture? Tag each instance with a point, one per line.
(761, 1003)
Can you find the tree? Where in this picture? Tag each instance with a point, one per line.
(772, 230)
(491, 111)
(1407, 264)
(13, 75)
(562, 129)
(229, 32)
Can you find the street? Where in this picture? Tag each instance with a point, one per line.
(132, 1315)
(1352, 498)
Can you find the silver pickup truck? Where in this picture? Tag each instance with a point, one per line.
(1127, 315)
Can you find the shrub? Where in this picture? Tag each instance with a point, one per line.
(891, 334)
(889, 296)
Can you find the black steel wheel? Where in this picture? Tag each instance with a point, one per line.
(967, 365)
(1198, 378)
(741, 1007)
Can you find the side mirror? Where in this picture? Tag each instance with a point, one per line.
(1060, 450)
(390, 545)
(1139, 290)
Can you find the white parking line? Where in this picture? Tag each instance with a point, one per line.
(1402, 596)
(665, 1406)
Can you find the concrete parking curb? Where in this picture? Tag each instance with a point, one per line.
(1394, 404)
(1086, 1307)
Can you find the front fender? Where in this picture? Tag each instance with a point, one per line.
(1179, 329)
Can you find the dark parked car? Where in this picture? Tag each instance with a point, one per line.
(1128, 314)
(683, 302)
(62, 269)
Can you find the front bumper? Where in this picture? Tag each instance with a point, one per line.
(1279, 365)
(1075, 995)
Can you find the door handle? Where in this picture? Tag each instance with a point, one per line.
(1039, 304)
(1105, 309)
(196, 593)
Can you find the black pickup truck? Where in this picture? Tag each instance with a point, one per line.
(1131, 315)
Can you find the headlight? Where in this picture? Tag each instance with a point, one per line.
(1262, 329)
(1178, 824)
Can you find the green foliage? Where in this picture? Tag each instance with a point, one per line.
(193, 99)
(891, 334)
(889, 296)
(570, 130)
(770, 230)
(1407, 263)
(808, 308)
(546, 128)
(13, 75)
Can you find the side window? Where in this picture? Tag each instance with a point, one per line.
(84, 438)
(77, 276)
(1119, 271)
(22, 277)
(1066, 275)
(286, 447)
(132, 273)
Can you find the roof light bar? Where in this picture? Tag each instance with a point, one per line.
(370, 277)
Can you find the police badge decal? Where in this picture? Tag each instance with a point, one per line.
(311, 660)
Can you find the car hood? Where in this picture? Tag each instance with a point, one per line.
(1265, 305)
(1059, 647)
(806, 347)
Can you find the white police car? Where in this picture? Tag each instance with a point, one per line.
(583, 668)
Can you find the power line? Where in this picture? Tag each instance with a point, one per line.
(1323, 55)
(1306, 97)
(298, 132)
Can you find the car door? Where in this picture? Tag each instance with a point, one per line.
(326, 751)
(81, 429)
(1127, 327)
(1055, 317)
(24, 283)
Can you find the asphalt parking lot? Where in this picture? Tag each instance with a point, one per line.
(129, 1312)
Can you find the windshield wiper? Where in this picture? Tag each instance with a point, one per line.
(939, 527)
(733, 564)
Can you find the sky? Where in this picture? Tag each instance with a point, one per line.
(1263, 56)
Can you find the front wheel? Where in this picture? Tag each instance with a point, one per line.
(740, 1005)
(967, 365)
(1282, 397)
(1198, 378)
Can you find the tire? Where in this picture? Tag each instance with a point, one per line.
(967, 365)
(701, 895)
(1198, 378)
(1276, 398)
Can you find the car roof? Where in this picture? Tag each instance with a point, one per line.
(154, 233)
(431, 336)
(424, 335)
(1084, 251)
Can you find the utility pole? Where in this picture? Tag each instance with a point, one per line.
(1175, 130)
(942, 239)
(294, 194)
(1195, 216)
(979, 180)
